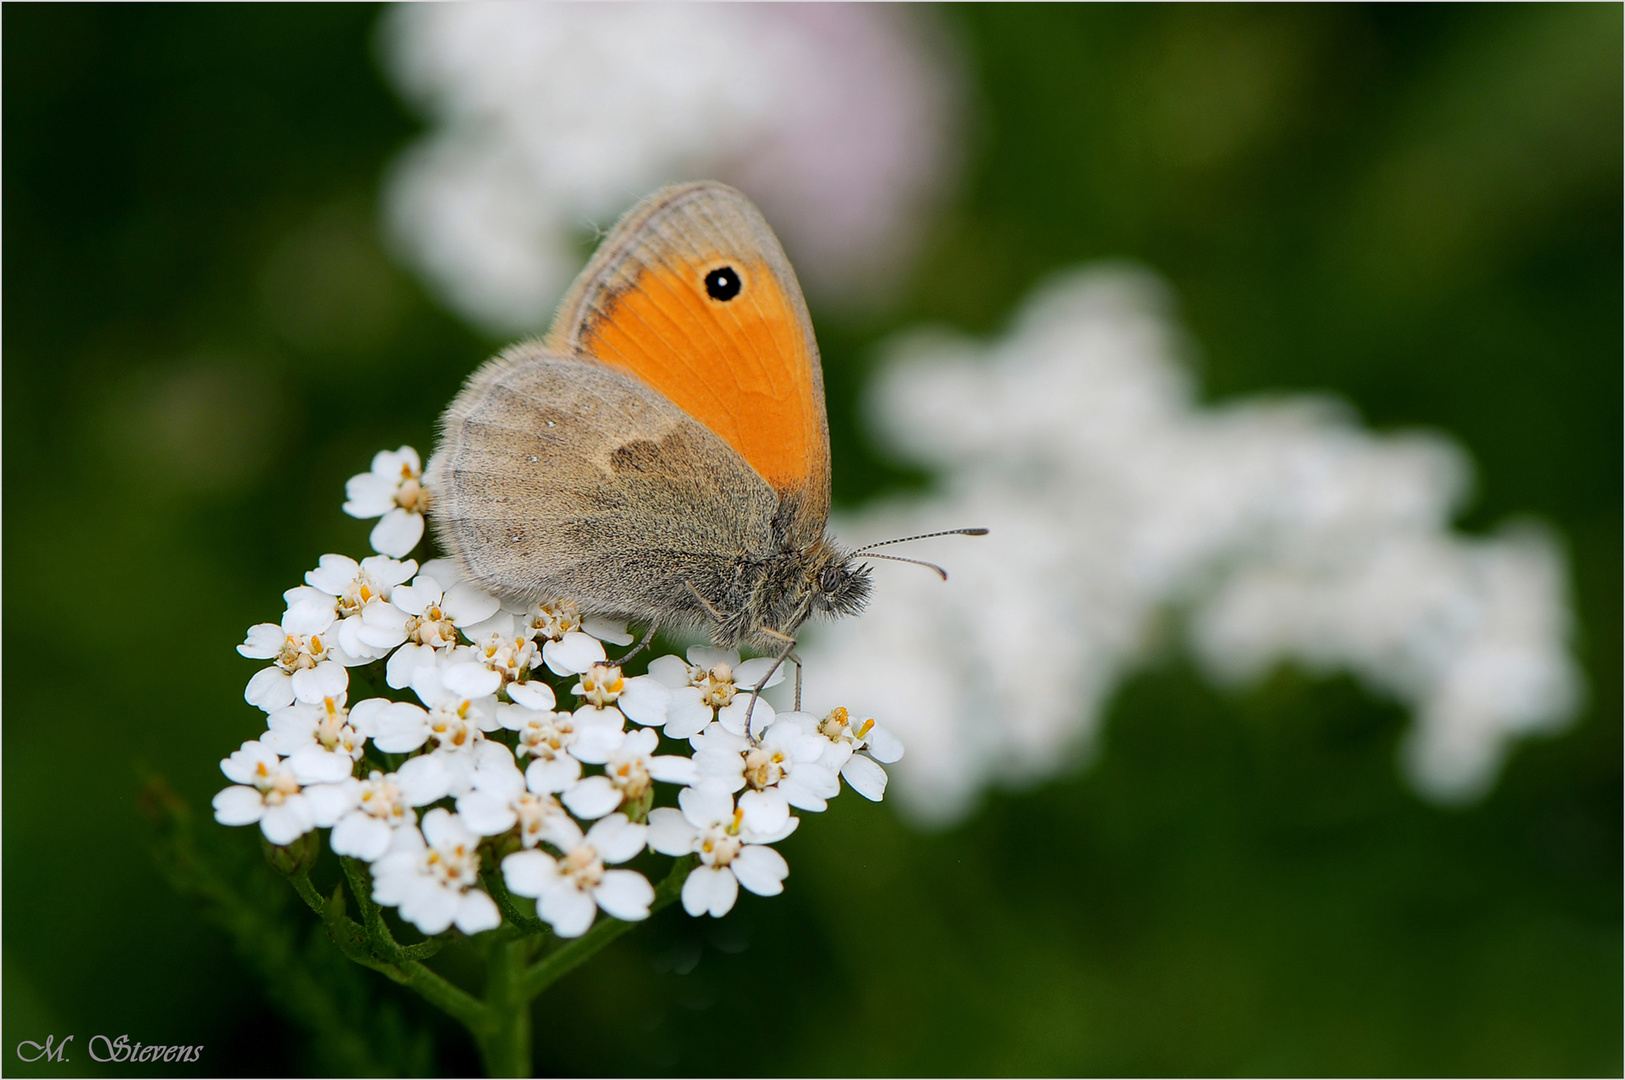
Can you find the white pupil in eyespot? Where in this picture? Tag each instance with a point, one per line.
(722, 283)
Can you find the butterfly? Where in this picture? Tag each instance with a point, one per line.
(662, 453)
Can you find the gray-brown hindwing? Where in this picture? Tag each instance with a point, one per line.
(564, 478)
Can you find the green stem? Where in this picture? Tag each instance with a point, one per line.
(572, 954)
(504, 1037)
(398, 964)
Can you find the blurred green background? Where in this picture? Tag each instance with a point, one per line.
(1416, 207)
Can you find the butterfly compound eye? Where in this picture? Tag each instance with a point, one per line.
(722, 283)
(830, 579)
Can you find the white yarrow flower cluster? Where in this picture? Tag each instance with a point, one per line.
(554, 783)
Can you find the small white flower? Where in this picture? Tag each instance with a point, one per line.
(317, 739)
(350, 587)
(782, 770)
(428, 615)
(713, 685)
(731, 853)
(306, 665)
(393, 491)
(377, 806)
(557, 744)
(570, 644)
(456, 717)
(433, 875)
(272, 792)
(502, 797)
(628, 774)
(569, 890)
(604, 690)
(853, 749)
(499, 646)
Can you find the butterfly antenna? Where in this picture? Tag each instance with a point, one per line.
(943, 574)
(922, 536)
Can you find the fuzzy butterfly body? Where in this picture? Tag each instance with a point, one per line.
(663, 453)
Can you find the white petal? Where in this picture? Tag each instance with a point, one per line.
(397, 532)
(801, 796)
(673, 769)
(710, 890)
(570, 911)
(748, 674)
(476, 912)
(430, 907)
(686, 715)
(388, 572)
(572, 654)
(364, 715)
(760, 869)
(416, 598)
(325, 680)
(286, 823)
(369, 495)
(670, 833)
(360, 835)
(706, 804)
(499, 626)
(883, 745)
(546, 777)
(643, 701)
(529, 873)
(625, 894)
(592, 798)
(263, 641)
(610, 630)
(383, 625)
(442, 828)
(242, 766)
(238, 806)
(765, 811)
(486, 814)
(470, 680)
(865, 777)
(402, 727)
(270, 689)
(732, 715)
(330, 802)
(617, 839)
(705, 657)
(313, 765)
(354, 644)
(598, 734)
(334, 574)
(405, 663)
(533, 694)
(668, 670)
(466, 604)
(774, 837)
(424, 779)
(304, 617)
(444, 571)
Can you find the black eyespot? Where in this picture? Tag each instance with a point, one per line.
(722, 283)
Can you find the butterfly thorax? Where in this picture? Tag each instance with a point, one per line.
(774, 595)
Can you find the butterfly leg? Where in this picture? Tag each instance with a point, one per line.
(784, 654)
(644, 644)
(709, 607)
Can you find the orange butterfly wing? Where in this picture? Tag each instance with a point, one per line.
(692, 293)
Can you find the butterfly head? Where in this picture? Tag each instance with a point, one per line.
(841, 586)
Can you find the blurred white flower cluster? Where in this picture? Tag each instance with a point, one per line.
(1276, 529)
(549, 119)
(455, 711)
